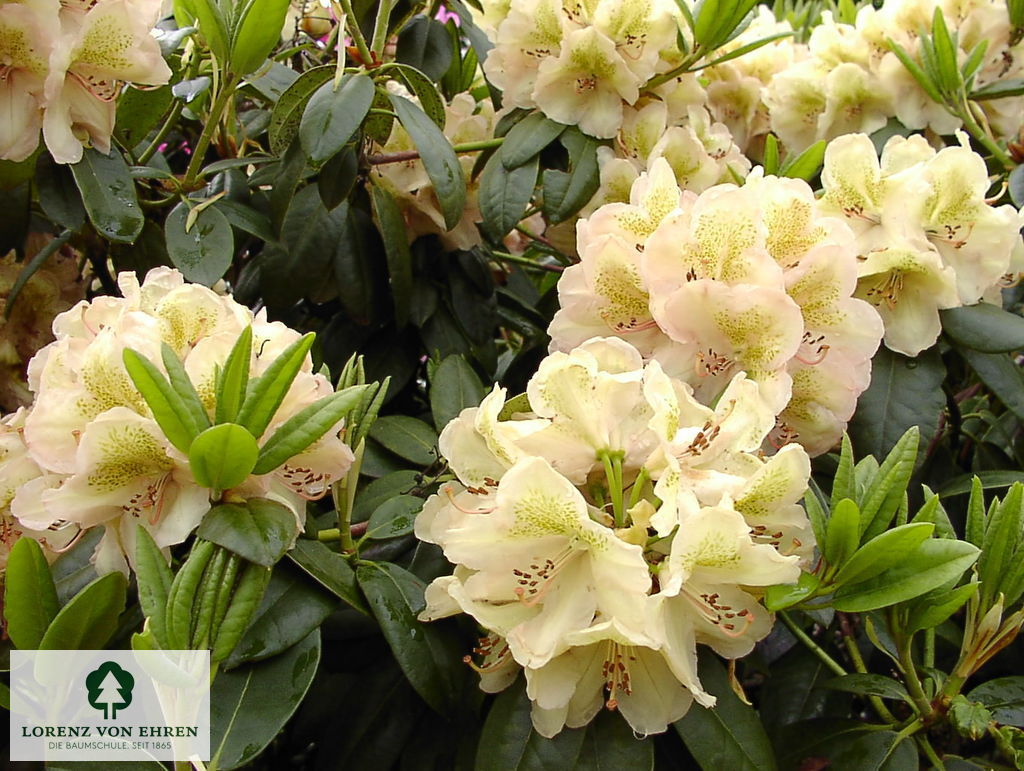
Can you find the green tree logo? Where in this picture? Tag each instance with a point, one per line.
(110, 688)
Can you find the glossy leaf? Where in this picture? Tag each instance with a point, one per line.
(250, 705)
(291, 608)
(424, 89)
(903, 393)
(728, 736)
(504, 194)
(933, 564)
(30, 596)
(984, 327)
(394, 518)
(58, 195)
(260, 531)
(1004, 696)
(183, 387)
(287, 114)
(883, 552)
(332, 117)
(330, 569)
(108, 193)
(989, 480)
(807, 164)
(871, 685)
(89, 620)
(424, 45)
(239, 610)
(784, 596)
(439, 159)
(842, 535)
(565, 193)
(204, 252)
(407, 437)
(453, 387)
(223, 456)
(396, 248)
(932, 609)
(395, 596)
(509, 743)
(526, 139)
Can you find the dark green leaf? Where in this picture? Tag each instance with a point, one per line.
(730, 735)
(527, 138)
(30, 596)
(933, 564)
(396, 248)
(261, 530)
(424, 44)
(383, 489)
(337, 178)
(871, 685)
(90, 619)
(1016, 185)
(610, 745)
(407, 437)
(932, 609)
(1001, 89)
(291, 608)
(509, 743)
(58, 195)
(1004, 696)
(108, 193)
(332, 117)
(287, 114)
(504, 195)
(251, 704)
(257, 30)
(139, 112)
(394, 517)
(439, 159)
(903, 393)
(989, 480)
(204, 252)
(984, 327)
(999, 372)
(453, 387)
(425, 90)
(246, 218)
(565, 193)
(223, 456)
(331, 570)
(396, 596)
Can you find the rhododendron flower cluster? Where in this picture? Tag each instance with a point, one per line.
(847, 79)
(465, 121)
(925, 235)
(94, 455)
(605, 525)
(579, 62)
(755, 278)
(62, 65)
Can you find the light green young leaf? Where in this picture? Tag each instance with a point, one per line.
(222, 456)
(233, 379)
(883, 552)
(265, 394)
(30, 597)
(256, 31)
(154, 578)
(305, 427)
(169, 410)
(843, 533)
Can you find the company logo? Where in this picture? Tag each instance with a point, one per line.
(110, 688)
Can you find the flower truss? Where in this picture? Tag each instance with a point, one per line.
(62, 65)
(580, 62)
(755, 278)
(92, 452)
(603, 531)
(926, 237)
(847, 79)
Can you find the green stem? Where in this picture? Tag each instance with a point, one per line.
(380, 29)
(614, 484)
(921, 701)
(682, 69)
(812, 646)
(515, 259)
(357, 34)
(964, 113)
(638, 484)
(165, 129)
(858, 663)
(329, 534)
(212, 122)
(929, 752)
